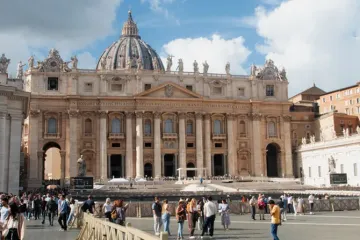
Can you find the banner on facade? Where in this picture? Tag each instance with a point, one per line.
(338, 178)
(82, 183)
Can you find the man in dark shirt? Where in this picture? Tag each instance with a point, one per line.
(51, 208)
(90, 205)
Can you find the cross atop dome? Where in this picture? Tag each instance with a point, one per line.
(130, 27)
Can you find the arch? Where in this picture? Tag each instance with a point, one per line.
(52, 125)
(88, 126)
(190, 173)
(273, 160)
(271, 129)
(51, 145)
(189, 127)
(148, 170)
(147, 127)
(51, 167)
(217, 127)
(168, 126)
(116, 125)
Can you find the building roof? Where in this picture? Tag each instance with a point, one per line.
(314, 90)
(342, 89)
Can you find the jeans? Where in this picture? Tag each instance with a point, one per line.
(44, 213)
(200, 223)
(71, 216)
(157, 224)
(180, 229)
(29, 213)
(51, 217)
(290, 207)
(261, 213)
(274, 228)
(62, 221)
(166, 220)
(283, 213)
(209, 223)
(253, 211)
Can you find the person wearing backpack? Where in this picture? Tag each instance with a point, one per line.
(51, 208)
(121, 212)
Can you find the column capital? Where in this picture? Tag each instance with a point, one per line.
(286, 118)
(40, 154)
(255, 116)
(34, 113)
(129, 114)
(157, 114)
(199, 114)
(230, 116)
(182, 114)
(62, 154)
(103, 114)
(207, 116)
(73, 113)
(139, 114)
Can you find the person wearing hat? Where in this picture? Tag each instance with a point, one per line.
(180, 217)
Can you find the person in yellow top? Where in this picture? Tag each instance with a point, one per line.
(275, 219)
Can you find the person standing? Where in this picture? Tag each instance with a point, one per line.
(311, 202)
(37, 207)
(210, 213)
(193, 216)
(72, 212)
(180, 217)
(43, 209)
(252, 207)
(89, 205)
(294, 204)
(107, 209)
(156, 209)
(275, 219)
(63, 208)
(290, 204)
(300, 206)
(51, 207)
(284, 208)
(4, 211)
(121, 212)
(224, 210)
(165, 216)
(261, 207)
(200, 207)
(14, 226)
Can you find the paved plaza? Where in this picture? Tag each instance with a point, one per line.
(37, 231)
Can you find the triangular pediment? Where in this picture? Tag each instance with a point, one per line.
(169, 90)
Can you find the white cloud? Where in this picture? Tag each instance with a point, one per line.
(317, 41)
(33, 27)
(215, 50)
(160, 6)
(271, 2)
(86, 60)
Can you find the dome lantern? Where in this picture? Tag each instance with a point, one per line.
(130, 27)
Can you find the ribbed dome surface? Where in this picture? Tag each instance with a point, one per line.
(128, 51)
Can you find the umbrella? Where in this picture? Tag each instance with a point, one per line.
(52, 187)
(141, 180)
(118, 180)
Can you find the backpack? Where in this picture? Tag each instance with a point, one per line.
(52, 206)
(114, 214)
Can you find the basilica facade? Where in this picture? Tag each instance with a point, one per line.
(134, 117)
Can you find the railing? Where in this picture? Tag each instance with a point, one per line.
(116, 135)
(219, 136)
(99, 229)
(169, 135)
(52, 135)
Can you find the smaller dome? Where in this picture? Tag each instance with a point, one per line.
(130, 27)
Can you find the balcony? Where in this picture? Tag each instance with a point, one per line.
(170, 135)
(87, 134)
(52, 136)
(116, 136)
(218, 136)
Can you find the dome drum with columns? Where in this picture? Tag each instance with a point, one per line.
(149, 122)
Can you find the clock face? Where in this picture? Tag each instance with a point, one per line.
(53, 64)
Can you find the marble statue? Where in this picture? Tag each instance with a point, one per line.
(40, 65)
(31, 62)
(74, 62)
(19, 70)
(196, 67)
(344, 132)
(65, 67)
(322, 138)
(4, 63)
(206, 67)
(253, 70)
(103, 63)
(180, 66)
(169, 63)
(155, 63)
(128, 64)
(332, 165)
(358, 129)
(283, 74)
(312, 139)
(347, 134)
(139, 64)
(303, 141)
(227, 68)
(81, 167)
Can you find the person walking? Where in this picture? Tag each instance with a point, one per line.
(300, 206)
(51, 207)
(275, 219)
(63, 208)
(72, 212)
(180, 217)
(121, 212)
(224, 211)
(243, 205)
(30, 207)
(200, 207)
(37, 207)
(193, 216)
(284, 208)
(290, 204)
(156, 209)
(252, 207)
(165, 216)
(261, 206)
(210, 213)
(311, 203)
(43, 209)
(4, 211)
(14, 227)
(107, 209)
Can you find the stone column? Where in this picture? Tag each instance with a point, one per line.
(73, 142)
(103, 146)
(109, 164)
(139, 145)
(4, 151)
(256, 144)
(62, 166)
(129, 145)
(208, 145)
(182, 140)
(157, 145)
(199, 143)
(40, 160)
(33, 143)
(231, 146)
(288, 152)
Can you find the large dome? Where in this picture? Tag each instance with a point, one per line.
(128, 51)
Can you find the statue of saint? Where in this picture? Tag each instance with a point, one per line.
(74, 62)
(155, 63)
(65, 67)
(139, 64)
(303, 141)
(253, 70)
(103, 63)
(19, 70)
(332, 165)
(196, 67)
(283, 74)
(180, 66)
(4, 63)
(312, 139)
(206, 67)
(169, 63)
(227, 68)
(81, 167)
(344, 132)
(31, 62)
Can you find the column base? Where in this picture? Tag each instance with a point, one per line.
(139, 177)
(157, 178)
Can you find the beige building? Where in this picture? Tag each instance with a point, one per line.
(13, 109)
(132, 117)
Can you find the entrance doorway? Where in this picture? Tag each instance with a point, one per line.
(169, 165)
(116, 166)
(148, 172)
(190, 173)
(272, 160)
(51, 167)
(219, 166)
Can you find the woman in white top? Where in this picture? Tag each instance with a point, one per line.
(72, 212)
(13, 228)
(224, 211)
(107, 209)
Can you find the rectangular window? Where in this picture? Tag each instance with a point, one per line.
(324, 100)
(319, 171)
(241, 92)
(338, 96)
(88, 87)
(147, 86)
(358, 100)
(333, 108)
(117, 145)
(341, 168)
(330, 98)
(189, 87)
(270, 91)
(218, 145)
(190, 145)
(116, 87)
(358, 110)
(346, 102)
(355, 170)
(347, 111)
(217, 90)
(53, 83)
(148, 144)
(351, 101)
(309, 171)
(351, 92)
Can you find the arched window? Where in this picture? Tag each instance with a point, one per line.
(147, 127)
(116, 125)
(26, 129)
(88, 126)
(271, 129)
(52, 125)
(217, 127)
(168, 126)
(189, 127)
(242, 127)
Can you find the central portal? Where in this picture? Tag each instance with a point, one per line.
(219, 166)
(116, 168)
(169, 165)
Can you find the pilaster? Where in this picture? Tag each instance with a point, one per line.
(208, 145)
(139, 145)
(73, 141)
(231, 152)
(256, 144)
(287, 143)
(62, 166)
(33, 169)
(129, 145)
(103, 145)
(182, 140)
(157, 145)
(4, 151)
(199, 144)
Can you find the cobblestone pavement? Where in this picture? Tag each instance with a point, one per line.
(329, 226)
(37, 231)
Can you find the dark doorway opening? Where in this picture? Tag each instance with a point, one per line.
(272, 160)
(169, 165)
(148, 172)
(219, 169)
(190, 173)
(116, 166)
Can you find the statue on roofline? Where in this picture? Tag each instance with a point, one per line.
(227, 68)
(169, 63)
(19, 70)
(206, 67)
